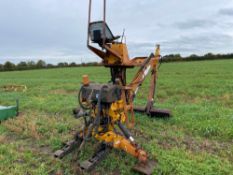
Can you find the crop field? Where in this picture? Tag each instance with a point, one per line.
(197, 139)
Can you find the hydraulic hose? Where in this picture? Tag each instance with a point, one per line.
(80, 100)
(99, 108)
(125, 131)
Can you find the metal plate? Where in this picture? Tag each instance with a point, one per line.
(145, 168)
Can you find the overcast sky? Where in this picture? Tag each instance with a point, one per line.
(55, 30)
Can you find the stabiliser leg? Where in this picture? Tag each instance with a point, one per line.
(68, 148)
(100, 154)
(86, 165)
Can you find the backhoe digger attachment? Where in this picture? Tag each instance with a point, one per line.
(108, 109)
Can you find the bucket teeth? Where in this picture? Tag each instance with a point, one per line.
(145, 168)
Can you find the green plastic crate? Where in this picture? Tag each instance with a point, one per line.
(8, 112)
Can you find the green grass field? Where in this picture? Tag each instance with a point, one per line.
(198, 139)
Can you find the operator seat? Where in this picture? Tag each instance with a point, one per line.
(97, 34)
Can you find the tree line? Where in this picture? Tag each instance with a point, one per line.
(193, 57)
(40, 64)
